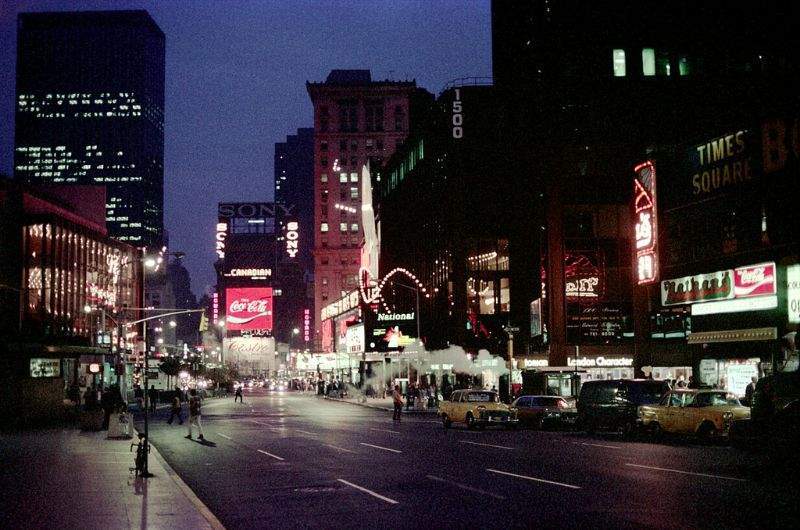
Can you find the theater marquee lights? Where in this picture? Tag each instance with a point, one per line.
(645, 222)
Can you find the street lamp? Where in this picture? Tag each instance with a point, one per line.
(172, 323)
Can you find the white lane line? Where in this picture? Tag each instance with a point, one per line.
(571, 486)
(368, 492)
(269, 454)
(598, 445)
(686, 472)
(306, 432)
(465, 487)
(384, 430)
(487, 445)
(226, 437)
(339, 448)
(379, 447)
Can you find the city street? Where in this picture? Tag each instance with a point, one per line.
(296, 460)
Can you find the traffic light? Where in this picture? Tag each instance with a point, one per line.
(203, 322)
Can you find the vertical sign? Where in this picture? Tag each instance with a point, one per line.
(793, 293)
(458, 116)
(292, 237)
(306, 325)
(645, 222)
(215, 308)
(222, 233)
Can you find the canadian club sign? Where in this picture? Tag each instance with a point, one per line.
(742, 282)
(645, 222)
(248, 308)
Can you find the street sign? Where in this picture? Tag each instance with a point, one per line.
(510, 329)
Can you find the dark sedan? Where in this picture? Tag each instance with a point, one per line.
(543, 412)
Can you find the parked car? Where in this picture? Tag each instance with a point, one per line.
(774, 425)
(542, 412)
(705, 413)
(612, 404)
(477, 408)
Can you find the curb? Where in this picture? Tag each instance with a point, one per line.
(186, 490)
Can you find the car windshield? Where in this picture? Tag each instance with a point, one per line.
(715, 399)
(485, 397)
(646, 393)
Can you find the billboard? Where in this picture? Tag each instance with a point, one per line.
(248, 308)
(253, 355)
(392, 331)
(741, 282)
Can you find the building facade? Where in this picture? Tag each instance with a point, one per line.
(90, 111)
(356, 121)
(294, 190)
(656, 93)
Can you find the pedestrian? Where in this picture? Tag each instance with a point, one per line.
(238, 395)
(397, 398)
(194, 415)
(409, 395)
(106, 401)
(152, 395)
(176, 410)
(748, 392)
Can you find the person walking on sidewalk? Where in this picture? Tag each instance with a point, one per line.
(176, 410)
(397, 398)
(152, 395)
(238, 395)
(194, 415)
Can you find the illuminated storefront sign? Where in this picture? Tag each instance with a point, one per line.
(740, 283)
(41, 367)
(535, 363)
(222, 233)
(383, 317)
(646, 223)
(250, 273)
(583, 274)
(248, 308)
(342, 305)
(735, 306)
(793, 292)
(292, 237)
(355, 338)
(591, 362)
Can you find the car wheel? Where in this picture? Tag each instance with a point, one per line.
(656, 431)
(629, 430)
(446, 421)
(470, 421)
(707, 431)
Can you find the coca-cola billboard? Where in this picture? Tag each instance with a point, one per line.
(248, 308)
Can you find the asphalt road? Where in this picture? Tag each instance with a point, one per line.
(297, 461)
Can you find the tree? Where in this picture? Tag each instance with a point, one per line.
(170, 366)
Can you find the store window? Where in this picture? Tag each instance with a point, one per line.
(481, 296)
(618, 62)
(488, 255)
(684, 67)
(505, 296)
(663, 67)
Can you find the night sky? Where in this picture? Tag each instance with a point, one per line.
(235, 85)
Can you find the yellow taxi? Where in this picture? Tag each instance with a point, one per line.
(705, 413)
(477, 408)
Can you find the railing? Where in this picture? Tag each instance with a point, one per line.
(468, 81)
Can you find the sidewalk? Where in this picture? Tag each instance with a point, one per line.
(67, 478)
(380, 404)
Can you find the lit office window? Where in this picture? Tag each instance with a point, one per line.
(323, 177)
(343, 227)
(342, 177)
(354, 227)
(648, 61)
(354, 193)
(353, 177)
(619, 62)
(683, 66)
(323, 227)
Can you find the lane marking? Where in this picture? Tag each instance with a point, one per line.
(306, 432)
(269, 454)
(487, 445)
(686, 472)
(571, 486)
(226, 437)
(384, 430)
(368, 492)
(339, 448)
(598, 445)
(465, 487)
(379, 447)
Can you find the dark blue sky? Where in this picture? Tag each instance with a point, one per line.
(235, 84)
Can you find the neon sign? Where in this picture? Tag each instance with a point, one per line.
(215, 307)
(222, 233)
(292, 235)
(306, 325)
(646, 223)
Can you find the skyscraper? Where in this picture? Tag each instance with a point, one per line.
(356, 120)
(90, 110)
(294, 189)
